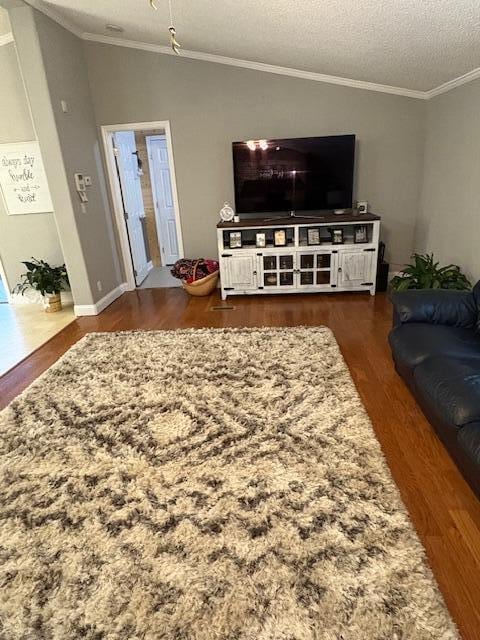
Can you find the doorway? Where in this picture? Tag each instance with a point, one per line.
(141, 175)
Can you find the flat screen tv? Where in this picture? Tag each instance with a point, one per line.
(293, 175)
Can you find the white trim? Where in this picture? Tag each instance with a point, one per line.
(7, 38)
(53, 15)
(456, 82)
(113, 184)
(103, 303)
(258, 66)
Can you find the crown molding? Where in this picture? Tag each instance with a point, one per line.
(51, 13)
(248, 64)
(256, 66)
(456, 82)
(6, 39)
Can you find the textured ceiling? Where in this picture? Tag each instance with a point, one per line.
(415, 44)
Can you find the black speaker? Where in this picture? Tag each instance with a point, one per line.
(382, 276)
(381, 251)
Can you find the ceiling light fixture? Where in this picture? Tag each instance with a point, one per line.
(263, 144)
(171, 29)
(173, 34)
(251, 145)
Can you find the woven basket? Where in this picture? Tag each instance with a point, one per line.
(53, 303)
(203, 286)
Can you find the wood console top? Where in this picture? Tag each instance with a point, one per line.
(287, 221)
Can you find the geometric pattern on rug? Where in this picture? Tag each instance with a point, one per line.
(205, 485)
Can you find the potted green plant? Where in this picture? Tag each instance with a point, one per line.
(48, 281)
(425, 273)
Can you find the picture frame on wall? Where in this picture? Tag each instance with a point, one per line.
(23, 182)
(235, 240)
(280, 238)
(360, 234)
(313, 236)
(261, 240)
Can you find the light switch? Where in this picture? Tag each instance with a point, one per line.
(64, 105)
(88, 181)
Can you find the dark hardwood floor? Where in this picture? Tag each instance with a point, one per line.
(443, 509)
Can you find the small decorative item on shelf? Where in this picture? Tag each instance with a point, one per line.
(337, 236)
(261, 240)
(235, 240)
(362, 206)
(226, 212)
(199, 277)
(280, 238)
(48, 281)
(313, 236)
(360, 234)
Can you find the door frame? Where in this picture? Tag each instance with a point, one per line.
(115, 192)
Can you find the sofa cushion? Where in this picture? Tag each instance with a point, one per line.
(436, 306)
(449, 388)
(469, 441)
(412, 343)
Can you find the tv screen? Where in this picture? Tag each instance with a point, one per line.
(298, 174)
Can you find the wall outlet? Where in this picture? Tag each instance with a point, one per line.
(99, 285)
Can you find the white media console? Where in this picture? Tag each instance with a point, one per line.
(329, 253)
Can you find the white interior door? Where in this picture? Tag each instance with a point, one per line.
(163, 198)
(132, 200)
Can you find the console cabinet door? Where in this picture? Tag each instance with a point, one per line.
(240, 272)
(355, 268)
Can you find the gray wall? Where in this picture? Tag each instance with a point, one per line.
(449, 220)
(67, 78)
(21, 236)
(210, 105)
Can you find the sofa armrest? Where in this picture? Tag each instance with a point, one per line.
(435, 306)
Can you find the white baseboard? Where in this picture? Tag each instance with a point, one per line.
(103, 303)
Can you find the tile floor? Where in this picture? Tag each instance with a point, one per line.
(24, 328)
(160, 277)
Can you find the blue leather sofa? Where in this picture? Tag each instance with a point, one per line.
(435, 344)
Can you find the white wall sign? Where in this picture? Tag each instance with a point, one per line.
(22, 179)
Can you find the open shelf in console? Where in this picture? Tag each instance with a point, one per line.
(248, 238)
(316, 235)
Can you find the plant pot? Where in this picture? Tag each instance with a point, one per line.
(52, 303)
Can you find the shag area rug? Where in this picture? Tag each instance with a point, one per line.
(205, 485)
